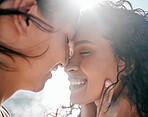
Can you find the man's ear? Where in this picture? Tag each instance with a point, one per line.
(21, 22)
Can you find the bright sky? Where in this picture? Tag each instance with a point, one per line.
(56, 91)
(140, 3)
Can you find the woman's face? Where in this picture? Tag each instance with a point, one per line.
(33, 73)
(91, 64)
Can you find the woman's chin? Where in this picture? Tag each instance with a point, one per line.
(79, 99)
(76, 100)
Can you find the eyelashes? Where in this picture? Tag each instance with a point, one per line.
(85, 53)
(67, 40)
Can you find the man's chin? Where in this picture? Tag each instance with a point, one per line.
(38, 89)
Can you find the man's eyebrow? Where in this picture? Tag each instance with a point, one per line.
(83, 42)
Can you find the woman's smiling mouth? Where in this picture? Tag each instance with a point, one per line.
(76, 82)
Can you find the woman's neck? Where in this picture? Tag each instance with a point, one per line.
(122, 108)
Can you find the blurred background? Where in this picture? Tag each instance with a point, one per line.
(54, 99)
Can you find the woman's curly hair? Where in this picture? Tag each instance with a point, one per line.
(127, 31)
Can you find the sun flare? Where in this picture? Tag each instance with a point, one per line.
(86, 4)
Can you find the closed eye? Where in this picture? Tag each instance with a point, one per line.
(83, 53)
(67, 40)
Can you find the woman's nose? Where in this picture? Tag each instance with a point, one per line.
(72, 66)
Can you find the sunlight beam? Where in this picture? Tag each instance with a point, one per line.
(86, 4)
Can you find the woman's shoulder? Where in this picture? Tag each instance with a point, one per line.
(126, 109)
(122, 108)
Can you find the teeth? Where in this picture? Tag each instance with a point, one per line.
(77, 83)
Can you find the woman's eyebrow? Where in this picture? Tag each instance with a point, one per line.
(83, 42)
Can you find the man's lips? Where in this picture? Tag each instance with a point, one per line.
(49, 74)
(54, 68)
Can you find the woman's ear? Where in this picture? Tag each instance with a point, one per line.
(110, 90)
(105, 100)
(108, 95)
(21, 22)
